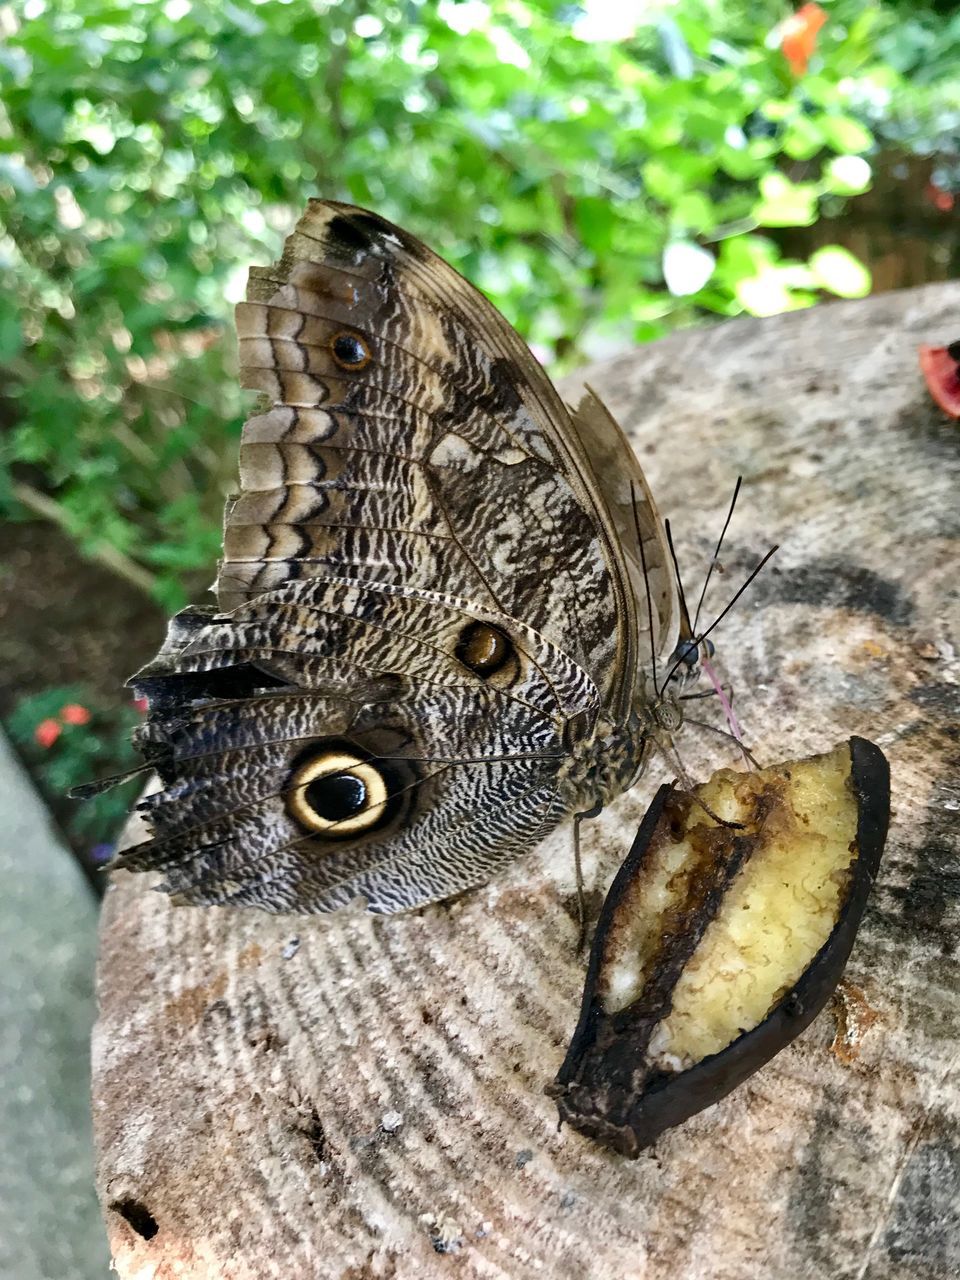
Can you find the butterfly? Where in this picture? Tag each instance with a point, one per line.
(439, 596)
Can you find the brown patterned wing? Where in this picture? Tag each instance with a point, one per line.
(407, 435)
(425, 605)
(337, 739)
(636, 520)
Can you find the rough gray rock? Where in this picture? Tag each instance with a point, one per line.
(50, 1228)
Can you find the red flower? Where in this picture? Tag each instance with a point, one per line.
(47, 732)
(798, 36)
(940, 199)
(74, 713)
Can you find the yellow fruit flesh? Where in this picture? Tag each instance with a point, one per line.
(775, 915)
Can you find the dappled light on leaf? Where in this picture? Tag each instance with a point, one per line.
(836, 269)
(686, 268)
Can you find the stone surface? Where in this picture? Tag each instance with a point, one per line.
(245, 1065)
(50, 1228)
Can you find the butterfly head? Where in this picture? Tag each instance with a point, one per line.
(686, 661)
(658, 708)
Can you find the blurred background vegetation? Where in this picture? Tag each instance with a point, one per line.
(605, 170)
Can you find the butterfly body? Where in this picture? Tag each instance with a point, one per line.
(432, 625)
(605, 765)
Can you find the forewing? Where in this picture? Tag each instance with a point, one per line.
(408, 436)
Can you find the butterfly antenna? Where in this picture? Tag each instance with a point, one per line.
(686, 630)
(714, 561)
(646, 584)
(750, 577)
(698, 639)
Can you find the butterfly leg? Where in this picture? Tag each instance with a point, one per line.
(685, 780)
(725, 693)
(578, 867)
(745, 751)
(706, 693)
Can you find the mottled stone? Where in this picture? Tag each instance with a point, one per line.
(49, 1225)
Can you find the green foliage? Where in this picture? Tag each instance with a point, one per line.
(150, 151)
(64, 749)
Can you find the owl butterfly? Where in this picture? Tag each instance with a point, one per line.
(438, 594)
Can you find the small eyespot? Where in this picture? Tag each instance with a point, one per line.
(338, 794)
(484, 649)
(350, 351)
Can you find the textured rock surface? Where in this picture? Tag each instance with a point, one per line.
(49, 1225)
(357, 1097)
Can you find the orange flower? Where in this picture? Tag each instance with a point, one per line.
(47, 732)
(74, 713)
(798, 36)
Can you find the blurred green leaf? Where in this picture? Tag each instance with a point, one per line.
(11, 333)
(847, 175)
(149, 153)
(784, 203)
(844, 134)
(836, 269)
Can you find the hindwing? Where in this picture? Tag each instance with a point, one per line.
(372, 677)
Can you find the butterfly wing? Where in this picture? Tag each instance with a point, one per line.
(639, 527)
(412, 492)
(260, 718)
(409, 434)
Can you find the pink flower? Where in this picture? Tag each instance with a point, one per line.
(141, 704)
(74, 713)
(47, 732)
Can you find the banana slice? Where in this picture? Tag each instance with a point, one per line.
(718, 944)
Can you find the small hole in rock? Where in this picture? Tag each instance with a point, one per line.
(314, 1134)
(138, 1216)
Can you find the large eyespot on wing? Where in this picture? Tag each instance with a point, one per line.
(339, 791)
(336, 739)
(408, 436)
(385, 808)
